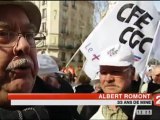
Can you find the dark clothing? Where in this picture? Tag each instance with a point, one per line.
(42, 87)
(84, 88)
(32, 113)
(65, 86)
(88, 111)
(152, 87)
(40, 112)
(59, 112)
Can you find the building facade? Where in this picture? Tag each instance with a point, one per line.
(66, 24)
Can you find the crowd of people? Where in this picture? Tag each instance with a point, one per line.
(22, 70)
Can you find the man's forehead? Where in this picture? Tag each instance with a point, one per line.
(8, 26)
(157, 70)
(115, 68)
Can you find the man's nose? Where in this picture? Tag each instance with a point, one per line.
(22, 45)
(109, 78)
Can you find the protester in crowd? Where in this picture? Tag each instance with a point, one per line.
(146, 75)
(70, 72)
(19, 21)
(97, 86)
(49, 72)
(78, 70)
(87, 111)
(154, 84)
(58, 61)
(83, 84)
(156, 74)
(146, 78)
(116, 76)
(19, 24)
(154, 80)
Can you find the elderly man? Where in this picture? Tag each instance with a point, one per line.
(116, 76)
(154, 84)
(156, 74)
(19, 24)
(18, 64)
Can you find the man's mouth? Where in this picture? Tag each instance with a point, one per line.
(20, 64)
(110, 86)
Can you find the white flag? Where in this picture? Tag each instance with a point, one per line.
(91, 70)
(131, 23)
(156, 44)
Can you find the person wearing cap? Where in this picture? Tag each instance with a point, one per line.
(154, 83)
(116, 76)
(19, 25)
(50, 74)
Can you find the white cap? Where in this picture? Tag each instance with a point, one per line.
(47, 65)
(117, 55)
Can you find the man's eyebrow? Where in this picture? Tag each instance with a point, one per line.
(4, 25)
(30, 27)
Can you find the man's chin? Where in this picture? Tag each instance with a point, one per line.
(112, 90)
(21, 85)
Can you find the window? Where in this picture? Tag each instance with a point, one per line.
(63, 56)
(44, 2)
(44, 13)
(65, 3)
(63, 30)
(44, 27)
(55, 14)
(74, 4)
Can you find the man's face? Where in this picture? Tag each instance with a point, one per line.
(18, 61)
(156, 75)
(115, 79)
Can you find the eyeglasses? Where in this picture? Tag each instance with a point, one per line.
(10, 39)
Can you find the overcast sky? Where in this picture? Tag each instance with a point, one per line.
(157, 4)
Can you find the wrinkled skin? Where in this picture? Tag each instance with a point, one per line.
(18, 64)
(156, 74)
(116, 79)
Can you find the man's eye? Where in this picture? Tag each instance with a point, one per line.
(29, 35)
(103, 72)
(158, 75)
(116, 72)
(3, 34)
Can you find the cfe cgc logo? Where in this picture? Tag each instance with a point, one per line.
(157, 99)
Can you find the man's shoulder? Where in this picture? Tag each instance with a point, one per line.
(41, 87)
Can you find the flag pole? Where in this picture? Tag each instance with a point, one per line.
(73, 57)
